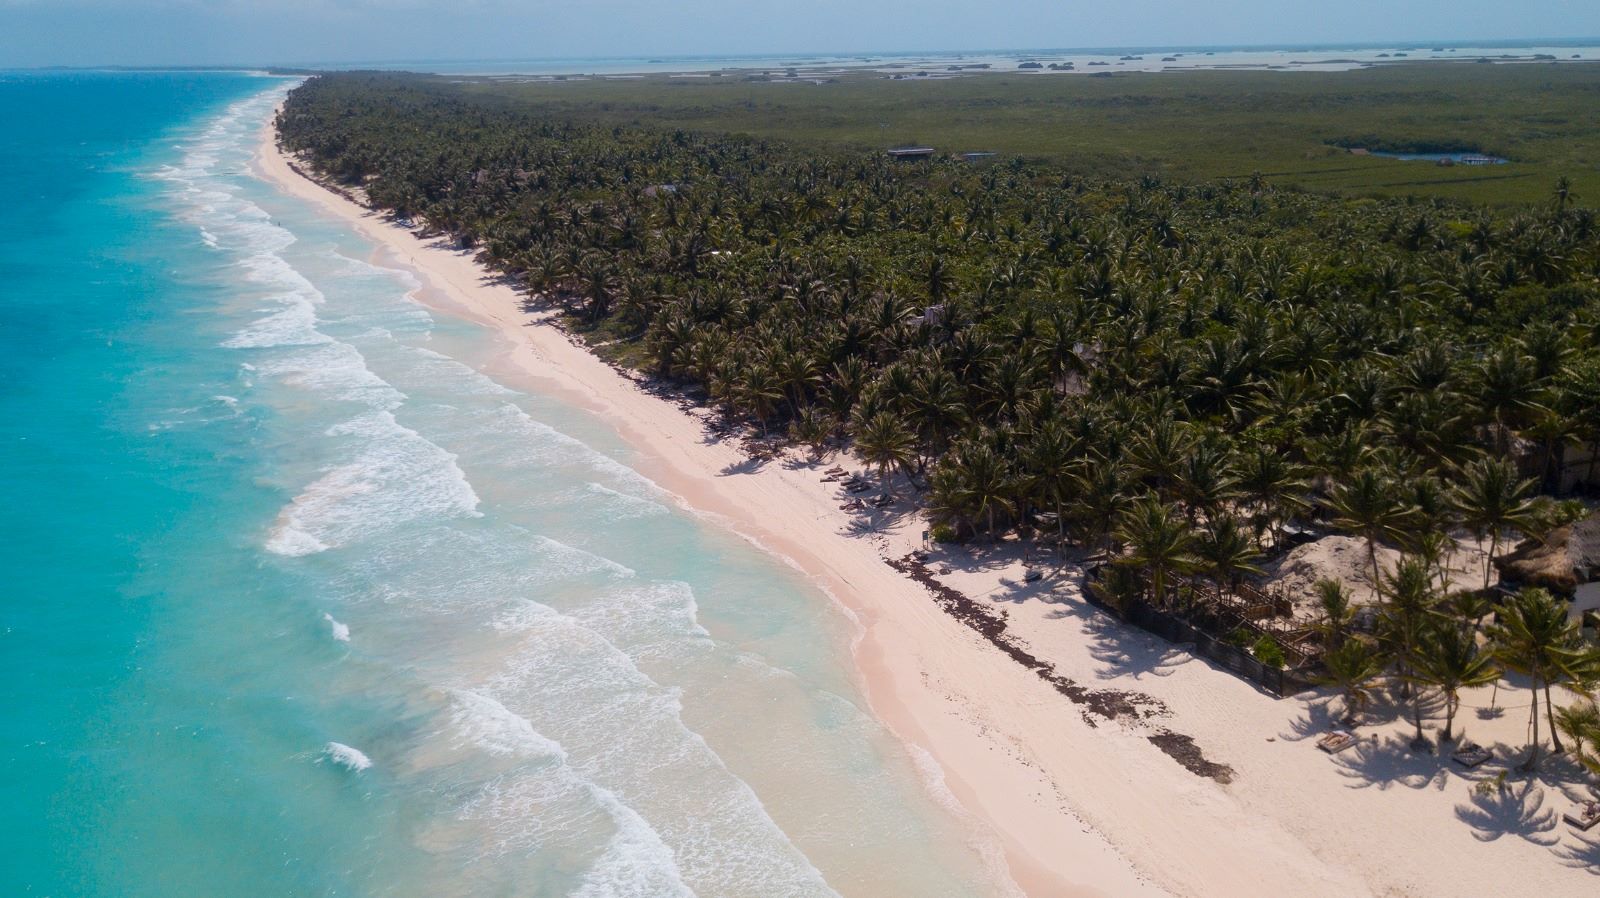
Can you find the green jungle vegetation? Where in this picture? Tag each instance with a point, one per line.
(1174, 373)
(1291, 127)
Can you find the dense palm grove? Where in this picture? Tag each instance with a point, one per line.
(1177, 375)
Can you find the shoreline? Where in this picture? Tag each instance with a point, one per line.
(1080, 803)
(675, 454)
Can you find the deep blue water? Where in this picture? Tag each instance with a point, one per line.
(298, 601)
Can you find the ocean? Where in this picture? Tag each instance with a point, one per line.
(299, 601)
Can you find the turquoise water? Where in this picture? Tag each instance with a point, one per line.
(1465, 158)
(299, 602)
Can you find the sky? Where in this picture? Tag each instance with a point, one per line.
(287, 32)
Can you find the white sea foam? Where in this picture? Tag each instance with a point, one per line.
(635, 863)
(564, 744)
(347, 757)
(492, 727)
(341, 632)
(396, 477)
(550, 801)
(648, 621)
(624, 506)
(987, 847)
(633, 742)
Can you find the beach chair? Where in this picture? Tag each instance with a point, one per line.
(1583, 817)
(1471, 756)
(1336, 741)
(882, 501)
(1033, 575)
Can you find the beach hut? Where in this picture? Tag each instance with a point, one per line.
(1566, 562)
(932, 316)
(907, 154)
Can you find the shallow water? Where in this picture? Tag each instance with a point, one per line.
(304, 603)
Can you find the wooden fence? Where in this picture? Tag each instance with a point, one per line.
(1206, 617)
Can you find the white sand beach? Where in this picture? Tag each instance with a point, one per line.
(1084, 803)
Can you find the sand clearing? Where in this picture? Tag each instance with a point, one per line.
(1064, 734)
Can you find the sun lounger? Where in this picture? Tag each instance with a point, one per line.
(854, 505)
(859, 487)
(835, 470)
(882, 501)
(1470, 756)
(1032, 575)
(1335, 742)
(1584, 816)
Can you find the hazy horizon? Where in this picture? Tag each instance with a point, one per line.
(37, 33)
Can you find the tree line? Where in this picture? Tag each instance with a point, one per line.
(1175, 374)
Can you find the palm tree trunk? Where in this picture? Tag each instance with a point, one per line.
(1451, 702)
(1488, 561)
(1550, 716)
(1372, 556)
(1416, 714)
(1533, 753)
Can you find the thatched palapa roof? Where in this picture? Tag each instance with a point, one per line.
(1569, 556)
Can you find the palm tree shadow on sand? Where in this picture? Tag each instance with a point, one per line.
(1123, 650)
(1386, 763)
(1517, 809)
(1583, 852)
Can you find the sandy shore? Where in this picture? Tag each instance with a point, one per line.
(1066, 735)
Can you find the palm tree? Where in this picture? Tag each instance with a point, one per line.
(760, 391)
(1534, 638)
(1407, 614)
(1159, 453)
(1274, 485)
(1491, 498)
(937, 279)
(599, 285)
(812, 427)
(883, 441)
(973, 482)
(1103, 496)
(1579, 721)
(1205, 479)
(1049, 457)
(1226, 551)
(1449, 659)
(1563, 193)
(1333, 600)
(1352, 667)
(1506, 390)
(1368, 506)
(1159, 542)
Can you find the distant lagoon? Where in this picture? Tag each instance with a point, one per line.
(1453, 158)
(1302, 57)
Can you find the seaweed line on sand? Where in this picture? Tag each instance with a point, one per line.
(1097, 704)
